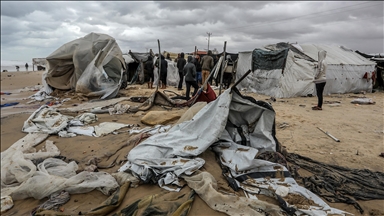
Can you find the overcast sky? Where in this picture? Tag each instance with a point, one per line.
(36, 29)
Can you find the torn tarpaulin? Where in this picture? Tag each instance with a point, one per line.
(237, 127)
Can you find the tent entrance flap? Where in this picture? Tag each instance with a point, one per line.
(269, 60)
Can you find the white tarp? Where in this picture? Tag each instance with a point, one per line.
(48, 120)
(21, 179)
(344, 73)
(165, 157)
(172, 74)
(92, 65)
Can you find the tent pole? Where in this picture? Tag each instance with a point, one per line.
(241, 78)
(159, 58)
(222, 72)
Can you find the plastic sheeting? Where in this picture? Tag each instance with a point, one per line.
(20, 178)
(296, 79)
(269, 60)
(190, 138)
(238, 129)
(344, 73)
(92, 65)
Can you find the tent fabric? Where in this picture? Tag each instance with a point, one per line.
(237, 128)
(165, 203)
(268, 60)
(339, 184)
(296, 79)
(92, 65)
(345, 71)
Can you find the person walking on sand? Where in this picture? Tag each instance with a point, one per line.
(190, 77)
(206, 66)
(17, 67)
(26, 66)
(180, 66)
(320, 79)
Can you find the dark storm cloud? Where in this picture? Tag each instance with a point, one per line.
(30, 29)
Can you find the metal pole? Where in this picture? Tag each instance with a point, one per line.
(209, 36)
(330, 135)
(222, 71)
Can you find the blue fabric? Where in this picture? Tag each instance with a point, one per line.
(199, 77)
(9, 104)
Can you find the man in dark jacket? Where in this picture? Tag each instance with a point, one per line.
(190, 77)
(206, 65)
(148, 72)
(163, 71)
(198, 69)
(180, 66)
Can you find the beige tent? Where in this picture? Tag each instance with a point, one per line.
(92, 65)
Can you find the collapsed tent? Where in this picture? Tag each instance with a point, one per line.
(287, 70)
(92, 65)
(237, 128)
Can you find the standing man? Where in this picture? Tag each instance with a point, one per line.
(26, 66)
(198, 69)
(320, 79)
(180, 66)
(206, 66)
(148, 72)
(190, 77)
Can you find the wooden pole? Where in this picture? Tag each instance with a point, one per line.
(222, 71)
(159, 58)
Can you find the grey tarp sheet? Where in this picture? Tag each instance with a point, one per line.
(92, 65)
(269, 60)
(223, 124)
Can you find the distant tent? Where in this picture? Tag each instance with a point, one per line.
(40, 63)
(287, 70)
(92, 65)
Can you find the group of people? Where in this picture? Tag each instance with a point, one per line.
(26, 67)
(194, 70)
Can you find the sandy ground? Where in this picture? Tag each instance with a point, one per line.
(360, 129)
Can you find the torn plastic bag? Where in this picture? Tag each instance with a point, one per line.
(43, 183)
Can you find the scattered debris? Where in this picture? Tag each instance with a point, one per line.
(6, 203)
(330, 135)
(363, 101)
(119, 109)
(9, 104)
(284, 125)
